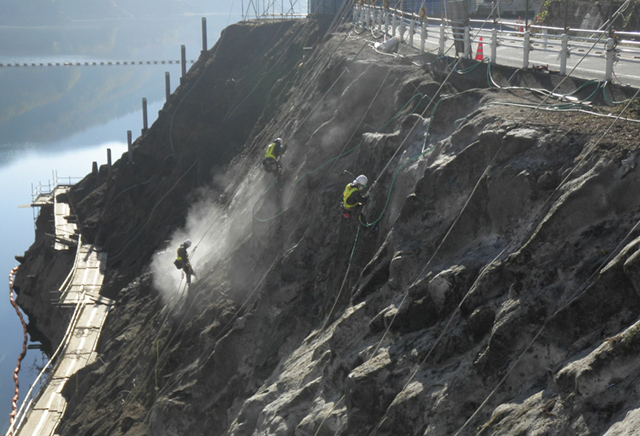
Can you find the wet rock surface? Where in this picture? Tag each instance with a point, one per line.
(499, 294)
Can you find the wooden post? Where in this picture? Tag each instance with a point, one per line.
(145, 124)
(109, 162)
(167, 85)
(130, 151)
(204, 34)
(183, 56)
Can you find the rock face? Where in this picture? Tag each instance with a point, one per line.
(499, 294)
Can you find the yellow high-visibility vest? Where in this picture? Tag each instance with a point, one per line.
(270, 151)
(348, 192)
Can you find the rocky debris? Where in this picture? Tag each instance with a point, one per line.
(499, 295)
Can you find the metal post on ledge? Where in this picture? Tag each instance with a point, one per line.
(94, 168)
(494, 34)
(386, 21)
(183, 61)
(564, 54)
(527, 49)
(129, 147)
(204, 34)
(109, 162)
(494, 45)
(145, 124)
(467, 42)
(412, 31)
(167, 85)
(442, 38)
(611, 57)
(394, 23)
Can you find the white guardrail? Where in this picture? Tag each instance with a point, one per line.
(611, 47)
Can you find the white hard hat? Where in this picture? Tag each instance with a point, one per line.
(187, 243)
(278, 141)
(361, 180)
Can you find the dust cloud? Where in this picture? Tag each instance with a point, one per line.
(214, 229)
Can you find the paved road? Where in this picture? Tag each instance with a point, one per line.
(589, 62)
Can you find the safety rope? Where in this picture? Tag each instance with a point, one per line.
(579, 292)
(444, 239)
(260, 200)
(479, 275)
(16, 396)
(419, 96)
(154, 370)
(344, 280)
(307, 89)
(168, 191)
(251, 294)
(466, 71)
(350, 261)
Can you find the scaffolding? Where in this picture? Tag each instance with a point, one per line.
(274, 9)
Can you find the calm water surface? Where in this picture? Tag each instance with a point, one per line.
(70, 158)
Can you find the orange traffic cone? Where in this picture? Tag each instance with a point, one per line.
(480, 52)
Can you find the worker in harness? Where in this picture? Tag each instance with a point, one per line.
(354, 199)
(274, 152)
(182, 262)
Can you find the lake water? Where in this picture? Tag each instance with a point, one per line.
(70, 158)
(26, 163)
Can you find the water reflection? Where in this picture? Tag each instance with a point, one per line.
(64, 118)
(17, 177)
(48, 103)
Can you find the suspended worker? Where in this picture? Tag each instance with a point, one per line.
(353, 198)
(275, 151)
(182, 262)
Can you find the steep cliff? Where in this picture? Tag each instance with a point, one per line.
(497, 292)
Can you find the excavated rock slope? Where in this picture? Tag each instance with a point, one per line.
(498, 293)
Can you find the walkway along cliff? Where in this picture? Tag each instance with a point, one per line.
(499, 295)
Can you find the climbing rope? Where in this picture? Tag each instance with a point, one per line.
(418, 96)
(197, 284)
(445, 329)
(446, 236)
(344, 280)
(16, 397)
(579, 292)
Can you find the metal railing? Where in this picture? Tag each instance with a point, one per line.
(612, 47)
(46, 189)
(42, 380)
